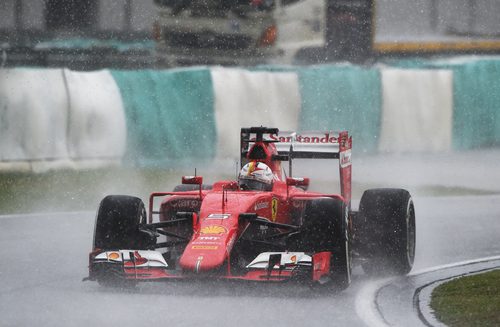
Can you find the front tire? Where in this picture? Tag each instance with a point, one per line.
(325, 228)
(117, 228)
(117, 224)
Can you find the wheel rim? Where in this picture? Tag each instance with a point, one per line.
(348, 261)
(410, 233)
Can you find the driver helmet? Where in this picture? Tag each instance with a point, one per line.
(256, 176)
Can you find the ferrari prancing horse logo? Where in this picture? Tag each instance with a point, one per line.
(274, 208)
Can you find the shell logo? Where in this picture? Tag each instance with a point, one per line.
(213, 229)
(293, 259)
(113, 256)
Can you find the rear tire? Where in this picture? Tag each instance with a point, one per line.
(325, 228)
(387, 231)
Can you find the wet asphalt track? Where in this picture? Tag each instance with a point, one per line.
(44, 257)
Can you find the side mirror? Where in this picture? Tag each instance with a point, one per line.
(299, 182)
(231, 186)
(194, 180)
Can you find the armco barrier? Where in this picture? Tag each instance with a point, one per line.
(476, 98)
(342, 98)
(170, 116)
(33, 115)
(96, 120)
(416, 111)
(245, 98)
(55, 119)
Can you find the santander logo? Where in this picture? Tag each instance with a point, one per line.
(324, 138)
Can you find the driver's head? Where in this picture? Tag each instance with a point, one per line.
(256, 176)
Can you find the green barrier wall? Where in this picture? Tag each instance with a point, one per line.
(170, 116)
(476, 97)
(342, 98)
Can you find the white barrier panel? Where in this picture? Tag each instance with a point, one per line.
(417, 109)
(33, 115)
(244, 99)
(97, 128)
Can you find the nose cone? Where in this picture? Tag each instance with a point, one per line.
(208, 250)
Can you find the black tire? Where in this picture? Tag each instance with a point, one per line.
(387, 231)
(191, 187)
(117, 224)
(117, 228)
(325, 228)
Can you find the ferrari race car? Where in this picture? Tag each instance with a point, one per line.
(238, 230)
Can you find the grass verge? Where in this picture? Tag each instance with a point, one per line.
(69, 190)
(469, 301)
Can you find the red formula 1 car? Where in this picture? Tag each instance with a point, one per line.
(265, 227)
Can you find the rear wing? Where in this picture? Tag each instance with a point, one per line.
(291, 145)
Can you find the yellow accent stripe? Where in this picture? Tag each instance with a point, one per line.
(436, 46)
(251, 168)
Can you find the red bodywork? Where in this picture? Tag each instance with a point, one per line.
(217, 224)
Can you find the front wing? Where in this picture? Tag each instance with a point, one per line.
(144, 265)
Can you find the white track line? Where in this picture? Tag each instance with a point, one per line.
(365, 302)
(455, 264)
